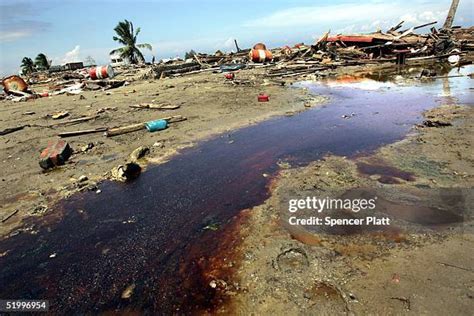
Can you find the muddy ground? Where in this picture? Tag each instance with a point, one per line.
(416, 266)
(211, 104)
(422, 264)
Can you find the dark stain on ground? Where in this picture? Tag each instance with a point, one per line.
(388, 174)
(149, 233)
(425, 215)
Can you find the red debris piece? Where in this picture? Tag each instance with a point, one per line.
(57, 153)
(262, 97)
(351, 38)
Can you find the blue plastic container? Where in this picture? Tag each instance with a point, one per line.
(157, 125)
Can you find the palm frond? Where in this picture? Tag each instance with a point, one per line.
(117, 51)
(145, 45)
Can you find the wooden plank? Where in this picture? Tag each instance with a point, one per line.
(75, 121)
(12, 129)
(451, 14)
(125, 129)
(82, 132)
(6, 218)
(155, 106)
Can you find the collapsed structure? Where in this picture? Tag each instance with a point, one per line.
(396, 45)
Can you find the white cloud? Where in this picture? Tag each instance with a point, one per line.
(424, 17)
(72, 56)
(353, 17)
(13, 36)
(320, 15)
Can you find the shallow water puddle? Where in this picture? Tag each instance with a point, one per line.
(149, 235)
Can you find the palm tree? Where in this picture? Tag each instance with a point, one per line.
(41, 62)
(27, 65)
(126, 36)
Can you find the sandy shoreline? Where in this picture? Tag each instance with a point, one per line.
(210, 102)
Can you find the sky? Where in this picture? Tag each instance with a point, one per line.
(71, 30)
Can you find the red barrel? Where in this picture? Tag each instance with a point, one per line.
(260, 55)
(101, 72)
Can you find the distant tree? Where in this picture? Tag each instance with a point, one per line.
(41, 62)
(190, 54)
(128, 37)
(89, 61)
(27, 65)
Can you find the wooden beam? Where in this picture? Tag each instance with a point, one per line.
(451, 14)
(82, 132)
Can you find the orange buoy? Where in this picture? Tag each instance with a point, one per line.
(101, 72)
(260, 55)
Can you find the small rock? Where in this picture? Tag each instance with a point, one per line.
(283, 164)
(138, 153)
(128, 292)
(83, 178)
(158, 145)
(87, 147)
(126, 172)
(59, 115)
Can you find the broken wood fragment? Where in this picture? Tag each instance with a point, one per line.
(12, 129)
(6, 218)
(451, 14)
(75, 121)
(124, 129)
(82, 132)
(454, 266)
(155, 106)
(139, 126)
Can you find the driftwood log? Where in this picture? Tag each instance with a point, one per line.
(139, 126)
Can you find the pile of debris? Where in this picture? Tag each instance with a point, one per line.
(16, 88)
(397, 45)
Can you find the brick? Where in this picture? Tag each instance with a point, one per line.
(56, 154)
